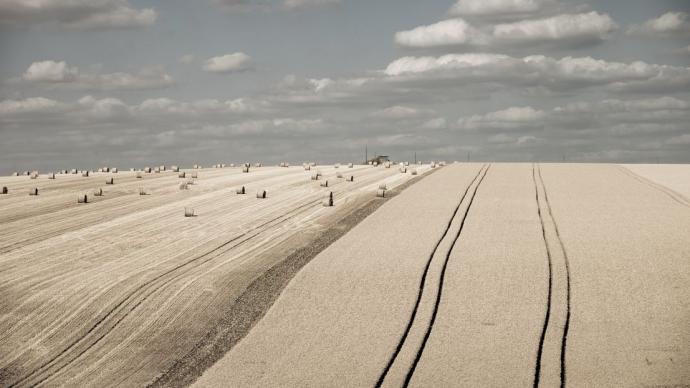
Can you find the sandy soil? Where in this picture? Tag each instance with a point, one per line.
(546, 275)
(113, 292)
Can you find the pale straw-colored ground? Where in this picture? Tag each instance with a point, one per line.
(504, 275)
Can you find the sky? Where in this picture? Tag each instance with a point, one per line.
(91, 83)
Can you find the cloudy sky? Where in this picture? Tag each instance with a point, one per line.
(86, 83)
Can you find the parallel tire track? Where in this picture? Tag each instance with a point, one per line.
(670, 193)
(410, 373)
(422, 286)
(563, 338)
(547, 315)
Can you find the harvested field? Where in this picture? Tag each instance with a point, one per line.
(489, 275)
(116, 291)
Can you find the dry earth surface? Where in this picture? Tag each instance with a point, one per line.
(491, 275)
(117, 291)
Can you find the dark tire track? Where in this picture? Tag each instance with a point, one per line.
(547, 316)
(430, 327)
(422, 284)
(563, 338)
(670, 193)
(566, 326)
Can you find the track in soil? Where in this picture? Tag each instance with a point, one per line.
(422, 285)
(670, 193)
(548, 317)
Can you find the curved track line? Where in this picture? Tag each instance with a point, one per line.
(679, 198)
(422, 284)
(420, 351)
(547, 316)
(566, 326)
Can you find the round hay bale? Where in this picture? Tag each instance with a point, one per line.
(196, 166)
(51, 175)
(175, 168)
(232, 164)
(350, 165)
(110, 181)
(382, 186)
(85, 174)
(147, 170)
(315, 176)
(114, 170)
(387, 165)
(188, 212)
(413, 171)
(157, 170)
(245, 169)
(34, 175)
(381, 193)
(407, 163)
(4, 190)
(339, 175)
(182, 175)
(142, 191)
(82, 198)
(195, 175)
(329, 199)
(257, 165)
(33, 191)
(307, 167)
(403, 169)
(350, 178)
(183, 186)
(15, 174)
(324, 183)
(98, 192)
(139, 175)
(261, 194)
(241, 190)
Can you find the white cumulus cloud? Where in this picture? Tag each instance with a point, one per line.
(590, 26)
(229, 63)
(668, 24)
(50, 71)
(444, 33)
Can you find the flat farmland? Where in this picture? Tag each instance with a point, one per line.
(496, 275)
(116, 291)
